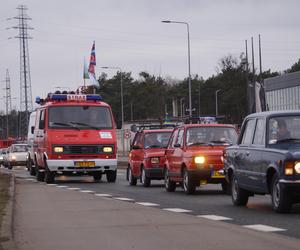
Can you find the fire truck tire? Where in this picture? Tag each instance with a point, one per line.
(97, 176)
(49, 176)
(40, 176)
(111, 175)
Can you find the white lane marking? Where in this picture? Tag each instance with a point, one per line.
(103, 195)
(178, 210)
(62, 186)
(75, 189)
(87, 191)
(213, 217)
(29, 179)
(264, 228)
(52, 184)
(147, 204)
(123, 199)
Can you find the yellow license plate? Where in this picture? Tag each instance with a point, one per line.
(216, 174)
(85, 164)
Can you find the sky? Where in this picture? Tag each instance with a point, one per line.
(129, 34)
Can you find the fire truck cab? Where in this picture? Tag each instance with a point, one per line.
(74, 134)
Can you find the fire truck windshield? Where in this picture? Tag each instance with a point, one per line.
(79, 117)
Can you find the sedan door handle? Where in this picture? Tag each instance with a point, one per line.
(235, 152)
(247, 153)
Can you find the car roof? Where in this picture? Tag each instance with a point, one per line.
(274, 113)
(157, 130)
(207, 125)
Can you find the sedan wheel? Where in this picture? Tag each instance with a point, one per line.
(239, 196)
(144, 179)
(131, 179)
(170, 185)
(189, 186)
(281, 200)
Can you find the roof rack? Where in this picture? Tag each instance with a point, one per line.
(140, 128)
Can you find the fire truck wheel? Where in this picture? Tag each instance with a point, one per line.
(40, 176)
(49, 176)
(97, 176)
(111, 175)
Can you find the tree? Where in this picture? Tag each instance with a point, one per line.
(295, 67)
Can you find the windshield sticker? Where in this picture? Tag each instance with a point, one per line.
(105, 135)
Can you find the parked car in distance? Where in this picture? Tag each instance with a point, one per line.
(17, 155)
(30, 136)
(147, 156)
(266, 159)
(2, 156)
(194, 155)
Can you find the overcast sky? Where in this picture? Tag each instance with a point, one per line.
(129, 34)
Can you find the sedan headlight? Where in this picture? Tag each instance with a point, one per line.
(58, 149)
(107, 149)
(13, 157)
(199, 159)
(154, 160)
(297, 167)
(1, 158)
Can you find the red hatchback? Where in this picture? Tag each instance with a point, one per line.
(146, 159)
(195, 155)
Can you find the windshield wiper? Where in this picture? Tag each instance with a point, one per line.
(84, 124)
(197, 143)
(221, 141)
(288, 140)
(66, 125)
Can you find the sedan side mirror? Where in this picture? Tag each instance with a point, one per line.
(177, 145)
(136, 147)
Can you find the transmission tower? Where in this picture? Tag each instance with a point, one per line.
(7, 101)
(26, 104)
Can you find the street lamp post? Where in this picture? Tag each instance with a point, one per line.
(189, 62)
(217, 91)
(121, 83)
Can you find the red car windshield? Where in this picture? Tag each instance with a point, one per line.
(208, 135)
(157, 140)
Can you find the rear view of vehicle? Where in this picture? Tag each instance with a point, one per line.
(74, 135)
(17, 155)
(147, 156)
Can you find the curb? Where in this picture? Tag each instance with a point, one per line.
(7, 233)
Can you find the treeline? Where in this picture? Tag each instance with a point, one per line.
(151, 97)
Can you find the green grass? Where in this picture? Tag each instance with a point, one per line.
(4, 196)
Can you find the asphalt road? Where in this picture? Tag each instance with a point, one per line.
(208, 201)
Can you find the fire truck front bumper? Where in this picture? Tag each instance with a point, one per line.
(87, 165)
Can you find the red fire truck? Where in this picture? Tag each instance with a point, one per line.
(74, 134)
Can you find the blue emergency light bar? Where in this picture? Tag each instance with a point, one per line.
(70, 97)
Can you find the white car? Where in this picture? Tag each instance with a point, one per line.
(17, 155)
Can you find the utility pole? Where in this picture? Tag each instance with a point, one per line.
(254, 79)
(26, 105)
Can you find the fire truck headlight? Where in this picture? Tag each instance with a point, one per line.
(58, 149)
(107, 149)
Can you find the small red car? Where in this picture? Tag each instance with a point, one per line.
(146, 159)
(194, 155)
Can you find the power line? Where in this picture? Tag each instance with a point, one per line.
(26, 104)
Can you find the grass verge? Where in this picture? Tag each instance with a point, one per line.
(4, 196)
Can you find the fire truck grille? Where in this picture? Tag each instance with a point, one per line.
(83, 149)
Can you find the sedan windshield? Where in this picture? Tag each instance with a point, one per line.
(284, 129)
(157, 140)
(19, 148)
(210, 135)
(80, 117)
